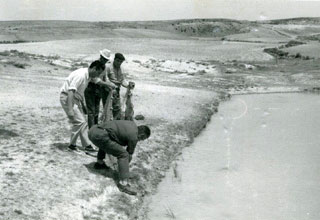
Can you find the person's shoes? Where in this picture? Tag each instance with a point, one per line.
(126, 189)
(102, 166)
(89, 148)
(72, 147)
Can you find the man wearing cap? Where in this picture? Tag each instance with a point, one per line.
(96, 91)
(119, 139)
(72, 101)
(116, 76)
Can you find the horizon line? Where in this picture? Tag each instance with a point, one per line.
(179, 19)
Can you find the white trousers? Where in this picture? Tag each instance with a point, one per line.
(78, 122)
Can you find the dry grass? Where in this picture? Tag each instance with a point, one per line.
(17, 64)
(13, 41)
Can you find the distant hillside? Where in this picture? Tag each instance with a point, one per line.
(28, 31)
(19, 31)
(301, 20)
(189, 27)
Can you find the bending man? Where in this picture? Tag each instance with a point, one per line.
(119, 139)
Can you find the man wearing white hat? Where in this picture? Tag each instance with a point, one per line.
(105, 55)
(95, 92)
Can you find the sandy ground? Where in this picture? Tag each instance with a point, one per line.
(41, 180)
(177, 91)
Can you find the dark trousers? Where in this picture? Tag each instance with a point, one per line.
(101, 139)
(93, 97)
(104, 95)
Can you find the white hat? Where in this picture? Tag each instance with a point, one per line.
(105, 53)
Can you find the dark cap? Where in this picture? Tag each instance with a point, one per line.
(119, 56)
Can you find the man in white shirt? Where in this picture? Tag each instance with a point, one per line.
(72, 101)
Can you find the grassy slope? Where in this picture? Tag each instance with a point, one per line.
(59, 30)
(259, 34)
(311, 50)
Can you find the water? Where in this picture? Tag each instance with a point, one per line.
(258, 159)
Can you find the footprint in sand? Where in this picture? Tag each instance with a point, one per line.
(265, 114)
(225, 129)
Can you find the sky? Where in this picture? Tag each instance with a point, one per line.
(138, 10)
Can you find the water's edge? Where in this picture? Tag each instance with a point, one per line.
(148, 199)
(142, 211)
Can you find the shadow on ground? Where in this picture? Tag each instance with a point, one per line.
(61, 146)
(7, 133)
(109, 173)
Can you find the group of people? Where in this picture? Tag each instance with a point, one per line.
(81, 94)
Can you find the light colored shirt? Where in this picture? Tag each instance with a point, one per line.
(78, 81)
(116, 74)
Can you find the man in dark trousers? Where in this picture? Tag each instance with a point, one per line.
(119, 139)
(95, 91)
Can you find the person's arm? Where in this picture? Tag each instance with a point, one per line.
(112, 77)
(124, 74)
(105, 82)
(100, 82)
(131, 147)
(114, 81)
(108, 84)
(125, 83)
(70, 102)
(72, 93)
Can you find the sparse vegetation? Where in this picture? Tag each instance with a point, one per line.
(298, 55)
(210, 28)
(7, 133)
(4, 53)
(276, 52)
(314, 37)
(301, 20)
(17, 64)
(13, 42)
(293, 43)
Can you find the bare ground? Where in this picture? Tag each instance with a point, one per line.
(40, 179)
